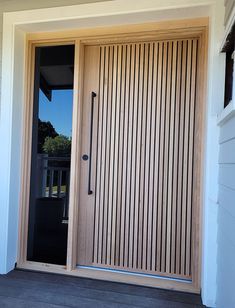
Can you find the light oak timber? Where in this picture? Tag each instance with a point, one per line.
(113, 153)
(111, 276)
(26, 153)
(151, 263)
(75, 155)
(109, 170)
(127, 157)
(144, 36)
(145, 31)
(85, 231)
(142, 224)
(198, 167)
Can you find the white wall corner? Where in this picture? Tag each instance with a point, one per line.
(5, 153)
(10, 134)
(210, 206)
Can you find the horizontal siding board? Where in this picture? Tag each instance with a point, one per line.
(226, 273)
(227, 175)
(226, 223)
(226, 216)
(226, 253)
(227, 199)
(227, 152)
(227, 131)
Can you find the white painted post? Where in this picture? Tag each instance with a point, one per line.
(42, 164)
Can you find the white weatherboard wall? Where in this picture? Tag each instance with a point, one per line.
(226, 197)
(226, 217)
(16, 24)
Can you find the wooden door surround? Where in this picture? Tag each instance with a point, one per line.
(160, 45)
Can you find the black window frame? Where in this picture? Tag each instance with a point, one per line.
(228, 49)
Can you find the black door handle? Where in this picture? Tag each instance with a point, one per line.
(93, 95)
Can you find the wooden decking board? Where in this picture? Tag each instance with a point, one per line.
(121, 288)
(32, 296)
(60, 295)
(23, 303)
(9, 302)
(32, 289)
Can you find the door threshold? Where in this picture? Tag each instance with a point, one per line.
(114, 276)
(134, 273)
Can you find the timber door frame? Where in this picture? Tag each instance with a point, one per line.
(196, 28)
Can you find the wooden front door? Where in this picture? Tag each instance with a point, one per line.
(136, 208)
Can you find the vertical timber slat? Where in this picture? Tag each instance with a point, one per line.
(144, 157)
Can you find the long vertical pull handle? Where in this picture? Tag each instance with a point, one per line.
(93, 95)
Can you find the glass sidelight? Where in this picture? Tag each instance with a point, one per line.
(51, 154)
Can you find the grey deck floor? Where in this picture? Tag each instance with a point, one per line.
(34, 290)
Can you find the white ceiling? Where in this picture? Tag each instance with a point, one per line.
(18, 5)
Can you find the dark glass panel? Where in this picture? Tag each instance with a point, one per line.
(51, 151)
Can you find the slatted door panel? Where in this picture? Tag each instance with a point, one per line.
(143, 165)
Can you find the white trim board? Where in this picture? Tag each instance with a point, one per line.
(106, 13)
(101, 9)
